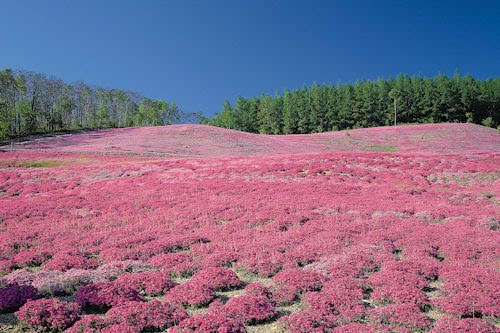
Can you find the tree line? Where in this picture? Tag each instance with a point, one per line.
(405, 99)
(34, 103)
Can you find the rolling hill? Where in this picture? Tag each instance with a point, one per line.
(193, 228)
(207, 141)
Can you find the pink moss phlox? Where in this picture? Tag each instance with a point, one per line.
(250, 309)
(341, 297)
(49, 314)
(358, 261)
(66, 261)
(356, 328)
(292, 282)
(396, 315)
(112, 270)
(13, 297)
(218, 278)
(89, 324)
(392, 284)
(147, 316)
(149, 283)
(191, 293)
(31, 258)
(121, 328)
(309, 321)
(178, 263)
(210, 323)
(448, 324)
(105, 295)
(20, 276)
(259, 290)
(470, 291)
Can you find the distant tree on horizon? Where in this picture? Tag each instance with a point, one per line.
(34, 103)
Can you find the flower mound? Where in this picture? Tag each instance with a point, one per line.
(191, 293)
(64, 262)
(218, 278)
(259, 290)
(391, 285)
(397, 315)
(292, 282)
(13, 297)
(105, 295)
(249, 309)
(210, 323)
(152, 316)
(88, 324)
(311, 322)
(355, 328)
(49, 314)
(341, 298)
(178, 263)
(470, 292)
(470, 325)
(149, 283)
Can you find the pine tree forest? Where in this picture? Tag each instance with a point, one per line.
(402, 100)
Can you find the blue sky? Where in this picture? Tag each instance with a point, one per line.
(198, 53)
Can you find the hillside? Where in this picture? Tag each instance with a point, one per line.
(371, 230)
(206, 141)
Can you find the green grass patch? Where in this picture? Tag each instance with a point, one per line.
(38, 164)
(381, 148)
(30, 164)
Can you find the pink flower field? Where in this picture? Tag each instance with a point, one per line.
(192, 228)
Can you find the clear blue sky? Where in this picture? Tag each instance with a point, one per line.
(197, 53)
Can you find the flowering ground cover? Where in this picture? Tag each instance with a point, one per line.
(254, 237)
(208, 141)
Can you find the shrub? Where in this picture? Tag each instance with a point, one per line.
(121, 328)
(168, 260)
(50, 283)
(267, 264)
(308, 321)
(64, 262)
(470, 325)
(19, 276)
(104, 295)
(88, 324)
(178, 263)
(191, 294)
(292, 282)
(357, 261)
(396, 315)
(152, 316)
(249, 309)
(49, 314)
(111, 271)
(223, 258)
(470, 291)
(488, 122)
(30, 258)
(149, 283)
(340, 297)
(258, 289)
(391, 285)
(422, 266)
(13, 297)
(210, 323)
(62, 283)
(217, 278)
(356, 328)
